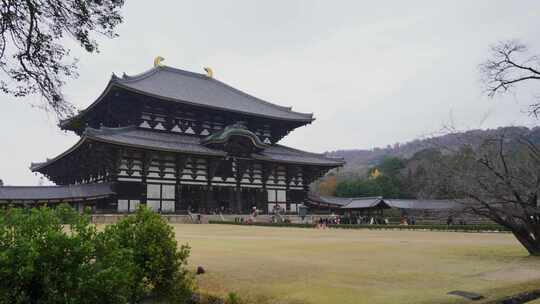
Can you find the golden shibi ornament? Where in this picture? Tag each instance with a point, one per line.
(158, 60)
(209, 72)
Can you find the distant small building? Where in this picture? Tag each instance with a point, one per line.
(436, 211)
(343, 204)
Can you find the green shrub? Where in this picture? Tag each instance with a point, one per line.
(57, 256)
(233, 298)
(160, 266)
(49, 256)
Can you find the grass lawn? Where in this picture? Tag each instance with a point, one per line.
(293, 265)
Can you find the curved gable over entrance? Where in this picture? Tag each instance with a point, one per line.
(235, 139)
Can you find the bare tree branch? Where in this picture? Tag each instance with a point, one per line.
(507, 67)
(33, 60)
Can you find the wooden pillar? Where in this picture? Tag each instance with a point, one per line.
(241, 167)
(146, 162)
(209, 199)
(266, 172)
(211, 169)
(180, 163)
(179, 198)
(115, 162)
(262, 199)
(232, 199)
(238, 198)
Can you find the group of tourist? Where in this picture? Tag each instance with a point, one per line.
(324, 222)
(356, 219)
(351, 220)
(405, 220)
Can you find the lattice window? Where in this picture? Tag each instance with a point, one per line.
(128, 205)
(161, 197)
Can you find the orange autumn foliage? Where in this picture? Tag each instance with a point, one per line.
(328, 186)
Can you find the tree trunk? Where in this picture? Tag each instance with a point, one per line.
(525, 234)
(525, 238)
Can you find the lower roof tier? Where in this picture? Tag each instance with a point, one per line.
(169, 142)
(86, 151)
(57, 193)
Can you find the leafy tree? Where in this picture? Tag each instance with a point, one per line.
(328, 185)
(350, 188)
(32, 55)
(390, 166)
(56, 256)
(160, 264)
(388, 186)
(386, 183)
(49, 256)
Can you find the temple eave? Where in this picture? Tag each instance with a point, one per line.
(132, 137)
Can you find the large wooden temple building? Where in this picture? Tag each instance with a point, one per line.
(178, 141)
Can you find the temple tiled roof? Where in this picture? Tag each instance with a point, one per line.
(332, 200)
(162, 141)
(56, 193)
(433, 204)
(371, 202)
(179, 143)
(348, 202)
(366, 202)
(290, 155)
(183, 86)
(191, 88)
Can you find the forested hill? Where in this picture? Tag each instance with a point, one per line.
(359, 160)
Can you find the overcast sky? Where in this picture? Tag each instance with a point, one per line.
(373, 72)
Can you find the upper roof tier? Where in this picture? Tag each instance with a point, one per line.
(183, 86)
(171, 84)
